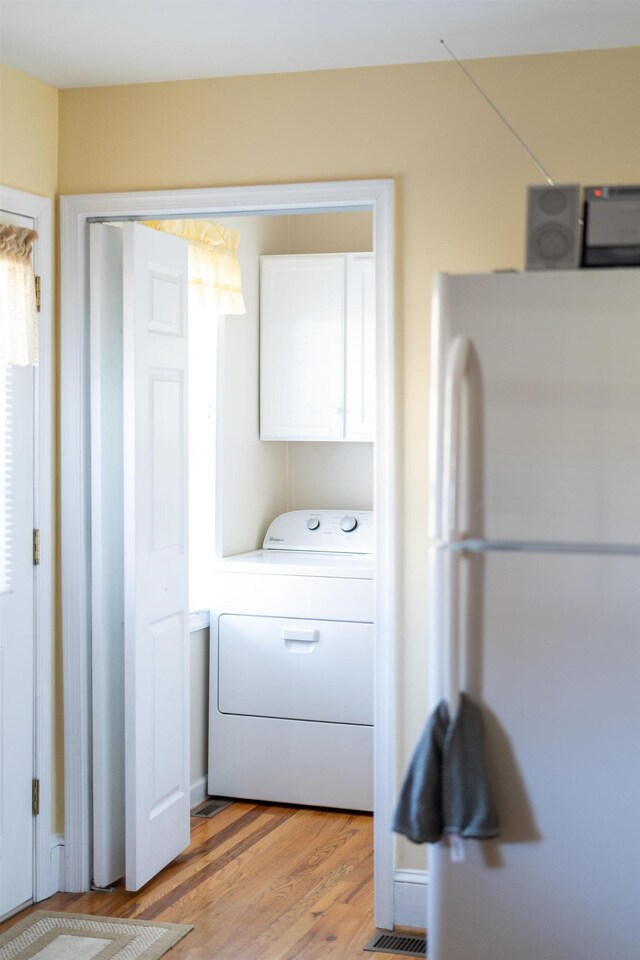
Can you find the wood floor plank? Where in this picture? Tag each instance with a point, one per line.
(214, 852)
(308, 895)
(258, 882)
(276, 854)
(337, 934)
(213, 866)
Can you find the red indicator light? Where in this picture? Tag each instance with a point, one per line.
(597, 193)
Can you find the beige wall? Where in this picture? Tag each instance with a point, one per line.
(349, 232)
(460, 180)
(28, 134)
(29, 162)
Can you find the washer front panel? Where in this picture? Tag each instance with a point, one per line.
(296, 669)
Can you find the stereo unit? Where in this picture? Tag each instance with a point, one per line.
(611, 227)
(553, 227)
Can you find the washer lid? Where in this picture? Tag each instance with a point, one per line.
(324, 531)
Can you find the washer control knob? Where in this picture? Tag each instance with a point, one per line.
(348, 523)
(313, 523)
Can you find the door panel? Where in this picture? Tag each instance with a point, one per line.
(16, 626)
(16, 636)
(302, 303)
(155, 551)
(167, 418)
(552, 392)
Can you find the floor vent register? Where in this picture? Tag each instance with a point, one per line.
(211, 806)
(399, 944)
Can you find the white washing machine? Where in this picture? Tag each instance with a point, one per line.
(291, 664)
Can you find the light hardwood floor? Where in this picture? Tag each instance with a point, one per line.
(258, 882)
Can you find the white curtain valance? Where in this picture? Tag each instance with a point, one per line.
(214, 271)
(18, 312)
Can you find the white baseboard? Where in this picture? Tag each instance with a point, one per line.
(56, 863)
(410, 898)
(198, 792)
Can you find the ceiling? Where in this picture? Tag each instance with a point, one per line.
(73, 43)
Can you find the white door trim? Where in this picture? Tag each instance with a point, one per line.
(39, 208)
(76, 212)
(410, 898)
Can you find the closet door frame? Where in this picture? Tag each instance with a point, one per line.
(76, 214)
(47, 845)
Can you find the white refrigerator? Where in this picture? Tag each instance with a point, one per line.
(535, 607)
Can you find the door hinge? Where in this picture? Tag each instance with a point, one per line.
(38, 294)
(36, 547)
(35, 797)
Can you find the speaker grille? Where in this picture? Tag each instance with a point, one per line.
(552, 202)
(553, 242)
(553, 236)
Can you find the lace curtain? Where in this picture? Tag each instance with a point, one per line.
(214, 271)
(18, 314)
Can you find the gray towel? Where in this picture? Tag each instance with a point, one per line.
(419, 812)
(445, 789)
(466, 798)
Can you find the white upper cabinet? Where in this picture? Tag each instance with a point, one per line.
(317, 347)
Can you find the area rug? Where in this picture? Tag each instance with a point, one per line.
(45, 935)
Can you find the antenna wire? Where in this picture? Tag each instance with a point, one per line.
(524, 146)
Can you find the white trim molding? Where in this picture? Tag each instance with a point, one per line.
(76, 213)
(40, 210)
(410, 898)
(56, 863)
(198, 792)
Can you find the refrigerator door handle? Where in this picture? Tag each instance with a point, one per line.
(454, 655)
(457, 363)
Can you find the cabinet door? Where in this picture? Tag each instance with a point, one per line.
(360, 381)
(302, 310)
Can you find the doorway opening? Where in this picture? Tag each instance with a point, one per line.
(294, 344)
(286, 202)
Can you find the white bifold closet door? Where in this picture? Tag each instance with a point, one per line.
(16, 626)
(140, 603)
